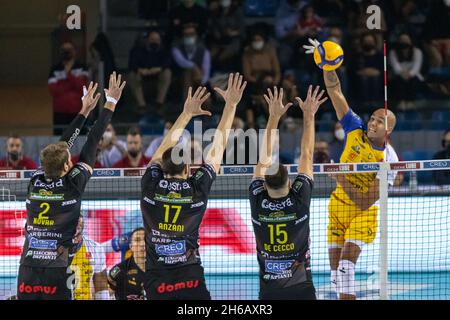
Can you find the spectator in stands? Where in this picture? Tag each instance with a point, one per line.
(187, 13)
(337, 144)
(15, 159)
(111, 148)
(149, 64)
(442, 177)
(193, 59)
(225, 32)
(437, 33)
(369, 71)
(65, 82)
(358, 16)
(321, 152)
(101, 51)
(310, 24)
(406, 62)
(437, 37)
(157, 141)
(134, 157)
(334, 12)
(261, 69)
(410, 18)
(286, 29)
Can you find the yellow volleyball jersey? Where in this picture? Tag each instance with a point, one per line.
(88, 260)
(357, 148)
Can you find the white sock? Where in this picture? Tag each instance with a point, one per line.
(333, 280)
(346, 277)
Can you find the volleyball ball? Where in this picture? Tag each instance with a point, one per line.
(329, 56)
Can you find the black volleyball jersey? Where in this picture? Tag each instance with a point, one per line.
(172, 211)
(127, 280)
(281, 229)
(53, 209)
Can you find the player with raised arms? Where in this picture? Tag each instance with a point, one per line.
(54, 201)
(352, 209)
(281, 211)
(173, 203)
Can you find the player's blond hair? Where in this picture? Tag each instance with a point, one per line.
(53, 157)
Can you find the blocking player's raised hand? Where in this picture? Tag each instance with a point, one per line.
(89, 99)
(236, 86)
(193, 103)
(115, 87)
(275, 102)
(312, 102)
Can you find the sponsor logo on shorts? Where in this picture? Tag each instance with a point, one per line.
(42, 244)
(48, 290)
(42, 255)
(172, 249)
(163, 287)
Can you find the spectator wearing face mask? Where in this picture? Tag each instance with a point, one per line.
(442, 177)
(261, 69)
(337, 145)
(65, 82)
(225, 31)
(111, 148)
(15, 159)
(193, 59)
(150, 72)
(369, 71)
(134, 157)
(321, 152)
(406, 61)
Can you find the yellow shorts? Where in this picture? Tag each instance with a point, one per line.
(348, 222)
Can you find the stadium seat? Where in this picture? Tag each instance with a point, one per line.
(440, 120)
(417, 155)
(409, 121)
(256, 8)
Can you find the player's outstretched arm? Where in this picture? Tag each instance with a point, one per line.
(276, 111)
(332, 84)
(334, 91)
(232, 96)
(192, 108)
(89, 101)
(113, 94)
(309, 108)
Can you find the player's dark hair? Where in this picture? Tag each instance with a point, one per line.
(53, 157)
(278, 179)
(169, 166)
(134, 231)
(134, 131)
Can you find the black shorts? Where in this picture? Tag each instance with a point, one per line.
(302, 291)
(35, 283)
(185, 283)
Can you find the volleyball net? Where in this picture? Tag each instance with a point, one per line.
(409, 257)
